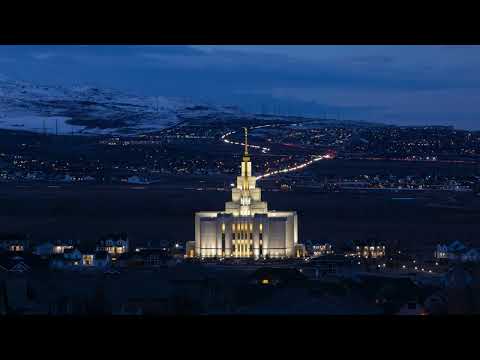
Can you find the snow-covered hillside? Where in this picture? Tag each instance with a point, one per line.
(90, 110)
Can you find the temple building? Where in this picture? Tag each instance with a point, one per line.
(246, 228)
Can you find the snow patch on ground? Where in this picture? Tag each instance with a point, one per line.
(39, 124)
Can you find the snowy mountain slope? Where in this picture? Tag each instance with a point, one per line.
(90, 110)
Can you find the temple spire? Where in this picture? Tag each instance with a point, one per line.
(246, 142)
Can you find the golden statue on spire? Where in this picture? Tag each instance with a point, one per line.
(245, 153)
(246, 140)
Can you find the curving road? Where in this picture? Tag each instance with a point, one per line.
(301, 166)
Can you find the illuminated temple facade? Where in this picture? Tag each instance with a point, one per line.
(246, 228)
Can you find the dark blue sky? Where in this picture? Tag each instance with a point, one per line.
(412, 85)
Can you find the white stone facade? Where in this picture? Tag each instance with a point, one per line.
(246, 228)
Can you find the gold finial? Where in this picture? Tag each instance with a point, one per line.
(246, 141)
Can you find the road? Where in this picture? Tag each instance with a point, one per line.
(314, 158)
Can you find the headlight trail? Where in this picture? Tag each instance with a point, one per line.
(225, 139)
(264, 150)
(295, 168)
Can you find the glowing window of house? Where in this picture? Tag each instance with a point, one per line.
(265, 281)
(88, 259)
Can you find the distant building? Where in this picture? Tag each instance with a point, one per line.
(114, 244)
(472, 255)
(71, 257)
(371, 248)
(456, 251)
(14, 242)
(61, 245)
(322, 249)
(88, 260)
(155, 257)
(441, 252)
(48, 248)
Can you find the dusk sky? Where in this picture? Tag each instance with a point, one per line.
(405, 85)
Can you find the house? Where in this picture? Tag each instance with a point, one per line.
(57, 247)
(115, 244)
(322, 249)
(156, 257)
(454, 251)
(74, 256)
(61, 245)
(71, 257)
(472, 255)
(371, 248)
(441, 252)
(88, 259)
(177, 251)
(14, 242)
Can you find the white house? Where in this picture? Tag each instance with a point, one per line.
(88, 260)
(441, 252)
(100, 259)
(68, 259)
(114, 244)
(472, 255)
(73, 255)
(60, 246)
(454, 251)
(457, 251)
